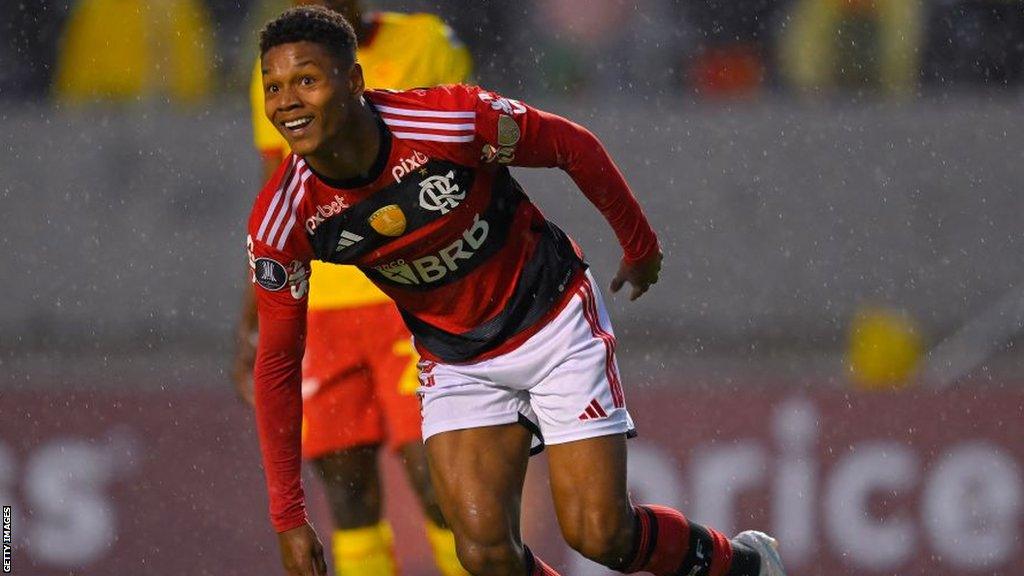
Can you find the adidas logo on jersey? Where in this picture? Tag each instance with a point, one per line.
(347, 240)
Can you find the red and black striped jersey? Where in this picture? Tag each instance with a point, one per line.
(439, 225)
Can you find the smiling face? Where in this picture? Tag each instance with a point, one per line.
(309, 94)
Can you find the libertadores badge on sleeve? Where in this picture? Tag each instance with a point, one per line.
(270, 274)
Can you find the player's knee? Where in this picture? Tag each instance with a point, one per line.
(605, 538)
(354, 508)
(485, 546)
(433, 513)
(484, 558)
(353, 493)
(353, 504)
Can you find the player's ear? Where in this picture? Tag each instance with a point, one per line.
(355, 80)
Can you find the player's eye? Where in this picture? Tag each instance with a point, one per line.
(272, 89)
(308, 80)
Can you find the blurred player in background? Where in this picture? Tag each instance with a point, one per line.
(413, 188)
(160, 49)
(359, 373)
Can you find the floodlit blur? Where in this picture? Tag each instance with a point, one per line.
(830, 355)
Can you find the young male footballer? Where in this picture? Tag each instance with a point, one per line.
(359, 370)
(413, 188)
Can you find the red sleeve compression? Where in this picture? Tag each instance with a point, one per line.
(277, 386)
(281, 284)
(547, 140)
(551, 140)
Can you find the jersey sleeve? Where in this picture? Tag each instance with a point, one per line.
(516, 134)
(266, 138)
(280, 278)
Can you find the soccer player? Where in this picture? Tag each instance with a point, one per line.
(360, 373)
(413, 188)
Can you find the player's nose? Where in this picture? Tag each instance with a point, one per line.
(288, 99)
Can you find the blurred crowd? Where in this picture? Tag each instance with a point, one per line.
(190, 50)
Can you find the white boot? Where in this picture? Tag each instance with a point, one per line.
(767, 548)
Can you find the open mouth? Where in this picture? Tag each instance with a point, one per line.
(297, 124)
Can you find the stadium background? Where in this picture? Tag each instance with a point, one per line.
(831, 355)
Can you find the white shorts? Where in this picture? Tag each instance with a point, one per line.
(562, 383)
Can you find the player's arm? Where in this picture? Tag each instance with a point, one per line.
(281, 284)
(277, 391)
(277, 383)
(524, 136)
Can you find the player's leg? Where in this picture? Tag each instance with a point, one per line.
(591, 501)
(352, 485)
(362, 544)
(414, 460)
(393, 363)
(588, 484)
(439, 535)
(342, 430)
(479, 435)
(478, 474)
(581, 409)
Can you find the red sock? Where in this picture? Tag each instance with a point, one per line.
(535, 567)
(669, 544)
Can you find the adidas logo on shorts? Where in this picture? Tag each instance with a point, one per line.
(594, 411)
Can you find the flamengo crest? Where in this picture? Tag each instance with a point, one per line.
(440, 193)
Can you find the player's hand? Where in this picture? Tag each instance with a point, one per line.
(641, 275)
(301, 552)
(241, 368)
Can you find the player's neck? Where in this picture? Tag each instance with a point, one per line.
(353, 152)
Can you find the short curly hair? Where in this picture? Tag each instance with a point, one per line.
(313, 24)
